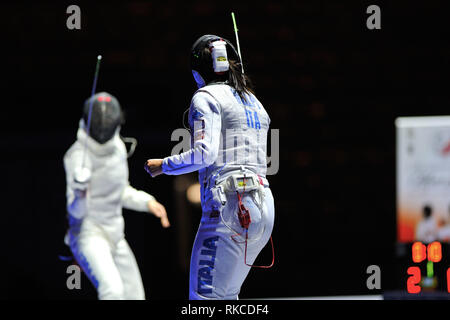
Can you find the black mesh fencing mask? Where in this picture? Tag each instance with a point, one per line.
(105, 116)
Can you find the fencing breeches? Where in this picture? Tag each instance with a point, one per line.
(217, 268)
(111, 268)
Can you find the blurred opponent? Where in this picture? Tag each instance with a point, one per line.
(97, 189)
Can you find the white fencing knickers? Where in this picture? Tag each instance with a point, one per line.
(111, 267)
(218, 268)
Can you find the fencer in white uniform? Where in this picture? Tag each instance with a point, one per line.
(229, 128)
(97, 189)
(427, 228)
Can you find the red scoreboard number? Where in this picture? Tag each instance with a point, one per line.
(420, 252)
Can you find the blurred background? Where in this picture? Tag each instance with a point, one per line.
(332, 87)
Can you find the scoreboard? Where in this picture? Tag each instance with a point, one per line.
(423, 204)
(428, 269)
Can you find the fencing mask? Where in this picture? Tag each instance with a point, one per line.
(205, 67)
(106, 116)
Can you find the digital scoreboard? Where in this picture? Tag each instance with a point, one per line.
(429, 269)
(423, 204)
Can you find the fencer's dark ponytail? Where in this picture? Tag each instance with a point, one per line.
(236, 79)
(239, 81)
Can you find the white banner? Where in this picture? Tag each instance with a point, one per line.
(423, 178)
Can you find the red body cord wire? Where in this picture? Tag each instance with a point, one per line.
(245, 220)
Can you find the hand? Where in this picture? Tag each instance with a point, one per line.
(81, 178)
(154, 167)
(158, 210)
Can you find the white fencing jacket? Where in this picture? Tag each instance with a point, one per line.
(108, 189)
(226, 134)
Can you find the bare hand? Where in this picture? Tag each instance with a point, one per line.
(154, 167)
(158, 210)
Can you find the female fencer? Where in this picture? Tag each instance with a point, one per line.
(229, 128)
(97, 189)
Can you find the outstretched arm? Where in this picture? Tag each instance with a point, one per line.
(206, 125)
(139, 200)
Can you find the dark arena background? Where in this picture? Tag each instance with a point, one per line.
(331, 86)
